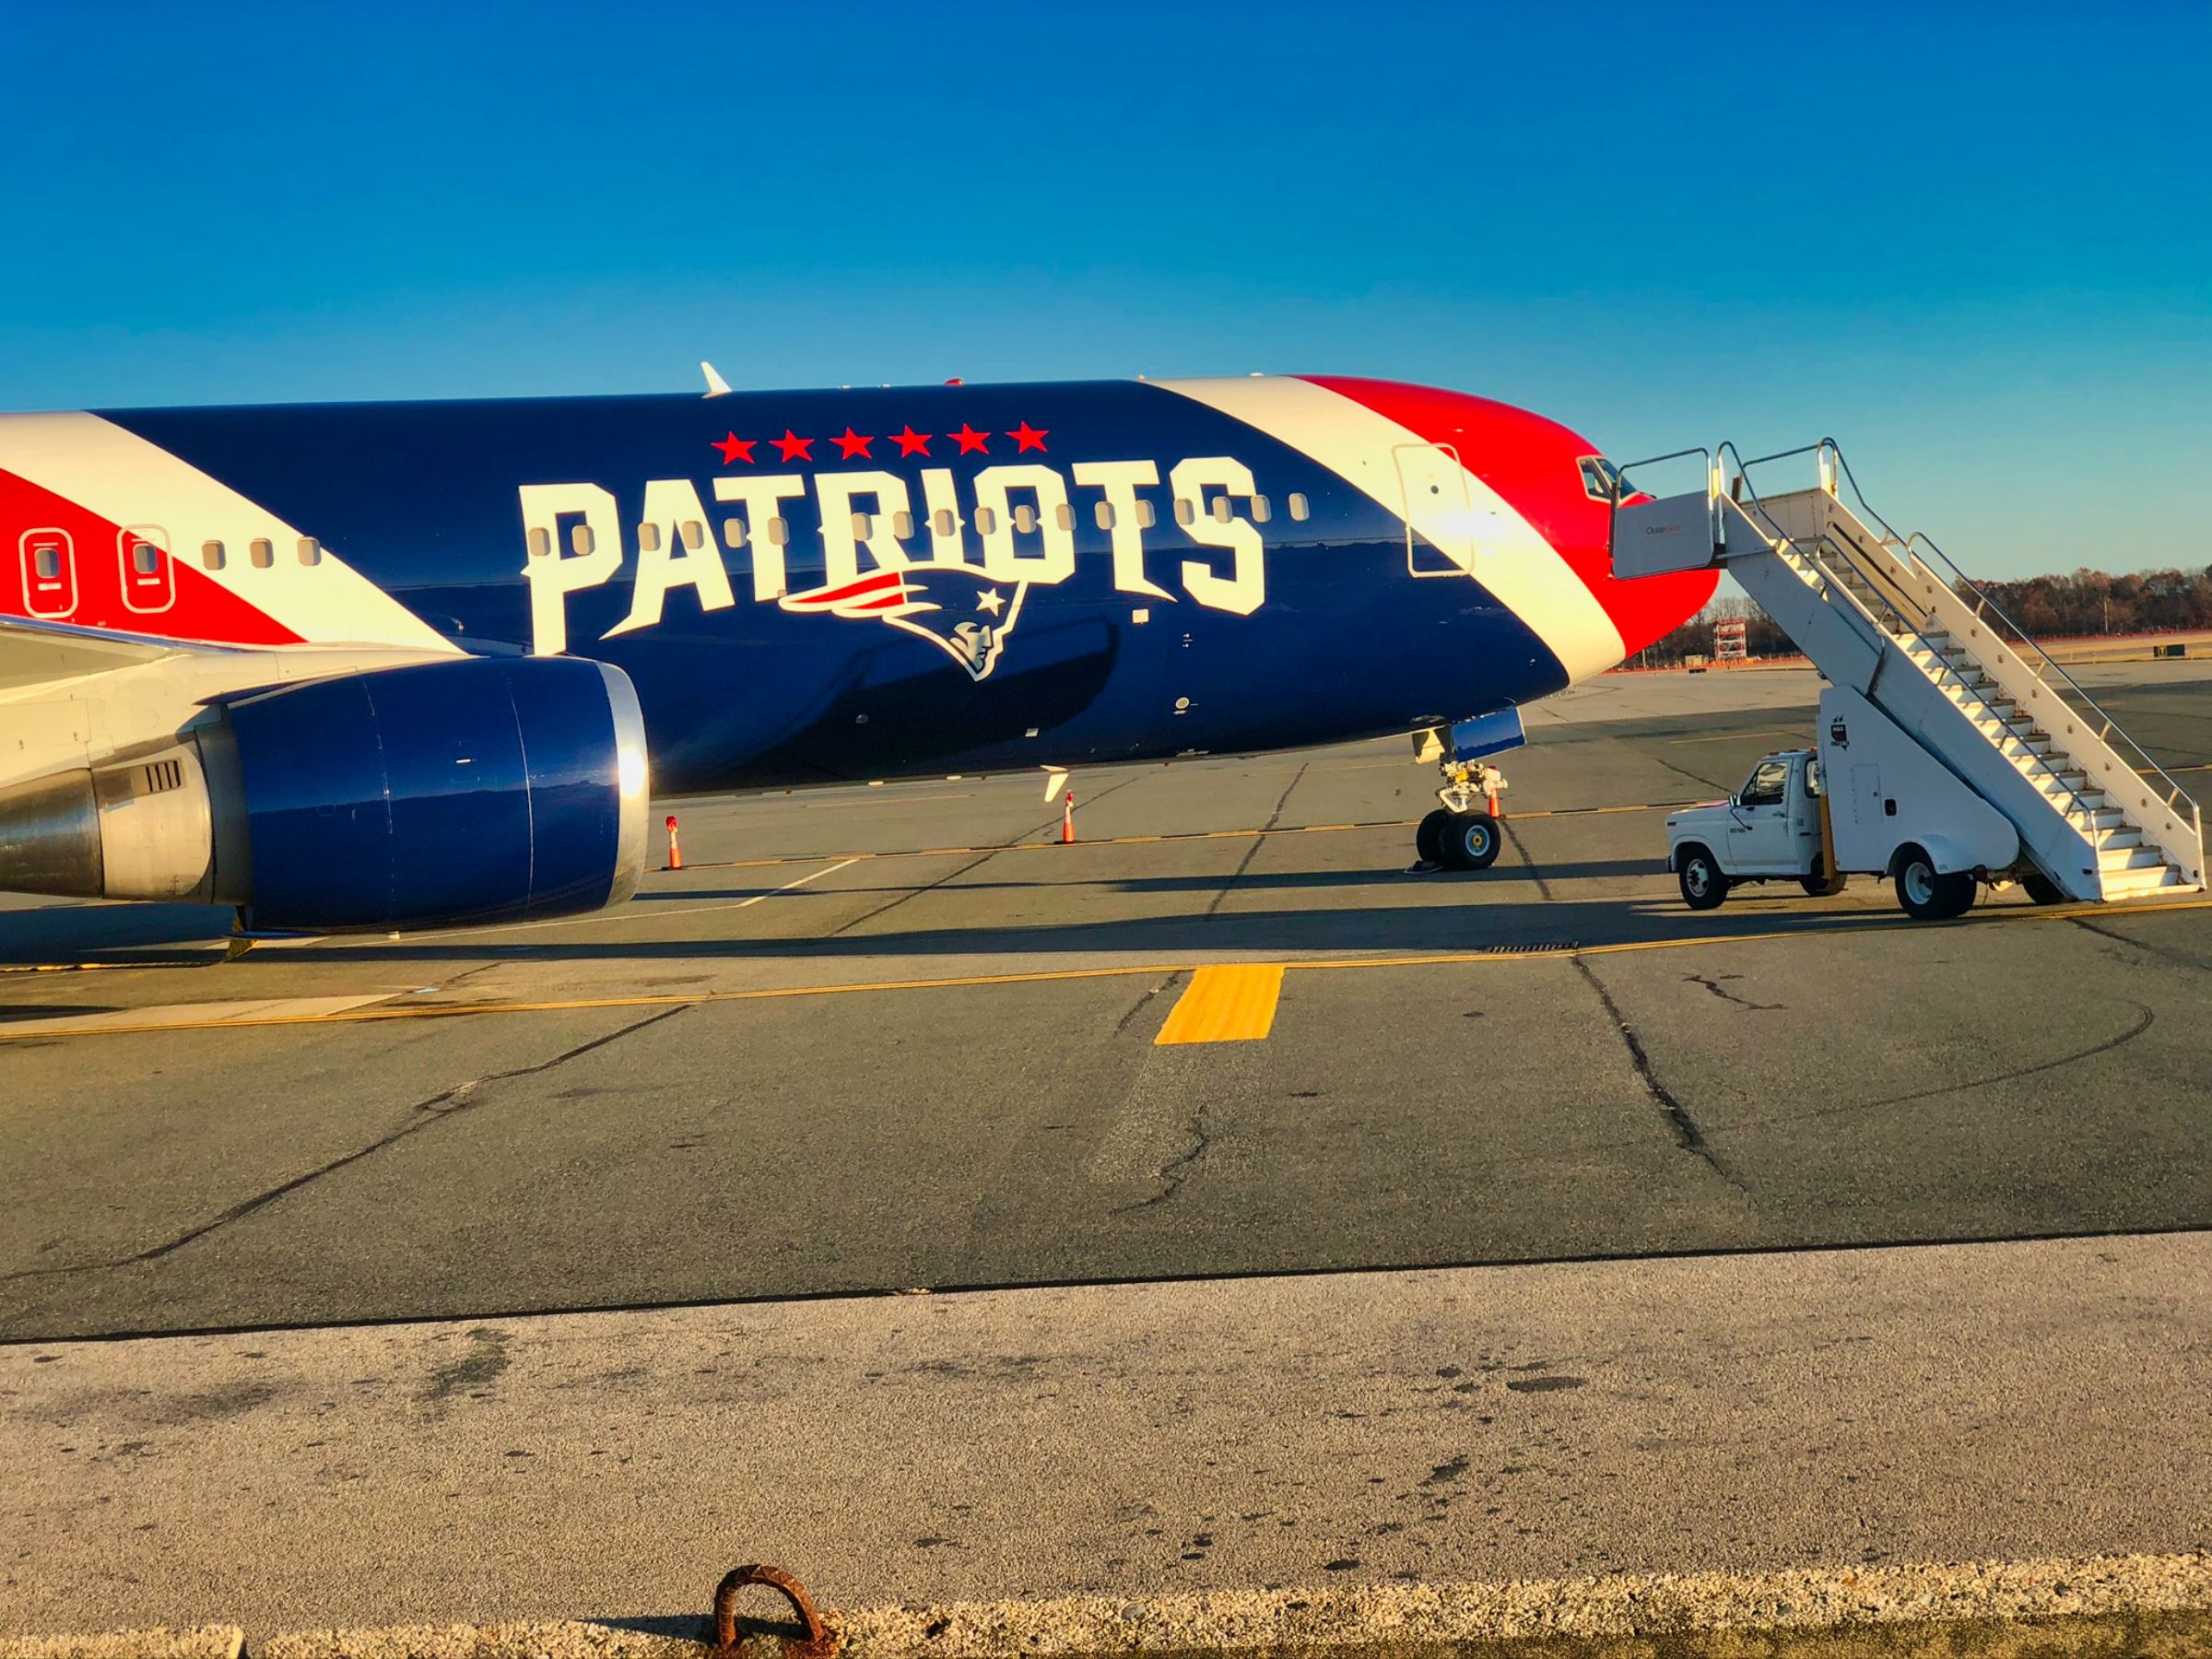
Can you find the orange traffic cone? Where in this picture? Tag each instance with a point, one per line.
(1067, 820)
(675, 853)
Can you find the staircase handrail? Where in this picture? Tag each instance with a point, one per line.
(1985, 608)
(1935, 652)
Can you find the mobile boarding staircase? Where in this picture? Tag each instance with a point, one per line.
(1894, 619)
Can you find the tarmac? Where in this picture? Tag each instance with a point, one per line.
(1461, 1227)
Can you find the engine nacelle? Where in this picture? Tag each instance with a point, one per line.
(471, 790)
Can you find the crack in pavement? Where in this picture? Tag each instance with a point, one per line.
(2174, 957)
(419, 1116)
(1196, 1130)
(1535, 875)
(1721, 991)
(1253, 852)
(1176, 1169)
(2144, 1020)
(1684, 1127)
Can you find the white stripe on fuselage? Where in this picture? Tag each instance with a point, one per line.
(130, 482)
(1520, 567)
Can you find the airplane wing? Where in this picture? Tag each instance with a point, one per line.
(36, 653)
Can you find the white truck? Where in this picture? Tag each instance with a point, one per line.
(1868, 800)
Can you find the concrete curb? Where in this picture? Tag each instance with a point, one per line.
(2140, 1607)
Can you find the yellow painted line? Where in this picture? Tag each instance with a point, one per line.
(192, 1017)
(171, 1017)
(1227, 1004)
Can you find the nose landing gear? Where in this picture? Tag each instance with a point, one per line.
(1463, 833)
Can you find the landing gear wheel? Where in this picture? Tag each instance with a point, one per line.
(1821, 885)
(1471, 840)
(1927, 896)
(1428, 837)
(1703, 885)
(2041, 888)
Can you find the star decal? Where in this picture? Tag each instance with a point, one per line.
(853, 444)
(912, 443)
(990, 600)
(970, 441)
(735, 448)
(1026, 438)
(794, 447)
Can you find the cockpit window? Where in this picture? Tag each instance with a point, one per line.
(1601, 478)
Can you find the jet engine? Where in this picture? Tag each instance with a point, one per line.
(468, 791)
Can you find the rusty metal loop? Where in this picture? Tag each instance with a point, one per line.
(818, 1643)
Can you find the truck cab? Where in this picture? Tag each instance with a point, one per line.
(1768, 830)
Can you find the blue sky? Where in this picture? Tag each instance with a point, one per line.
(1973, 243)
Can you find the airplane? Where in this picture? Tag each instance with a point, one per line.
(393, 666)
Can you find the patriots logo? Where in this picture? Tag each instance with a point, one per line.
(955, 608)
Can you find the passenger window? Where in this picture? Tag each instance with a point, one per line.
(1147, 515)
(694, 534)
(1185, 512)
(541, 544)
(779, 533)
(211, 553)
(649, 539)
(1065, 516)
(146, 558)
(863, 525)
(1298, 508)
(1222, 510)
(1261, 511)
(262, 553)
(902, 525)
(1025, 518)
(47, 563)
(943, 520)
(580, 539)
(1105, 516)
(733, 532)
(986, 521)
(310, 550)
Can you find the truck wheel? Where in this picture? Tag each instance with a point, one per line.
(2041, 888)
(1703, 885)
(1471, 840)
(1928, 895)
(1428, 837)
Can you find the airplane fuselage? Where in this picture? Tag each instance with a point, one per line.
(817, 585)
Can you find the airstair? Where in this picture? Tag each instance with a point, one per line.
(1894, 619)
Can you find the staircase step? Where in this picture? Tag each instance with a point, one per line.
(2131, 858)
(2130, 884)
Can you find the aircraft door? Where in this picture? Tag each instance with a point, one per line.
(49, 570)
(1440, 527)
(149, 578)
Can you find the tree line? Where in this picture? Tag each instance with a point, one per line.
(2087, 602)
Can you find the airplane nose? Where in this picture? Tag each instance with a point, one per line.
(1557, 481)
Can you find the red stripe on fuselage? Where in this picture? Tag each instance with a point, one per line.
(95, 563)
(1532, 463)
